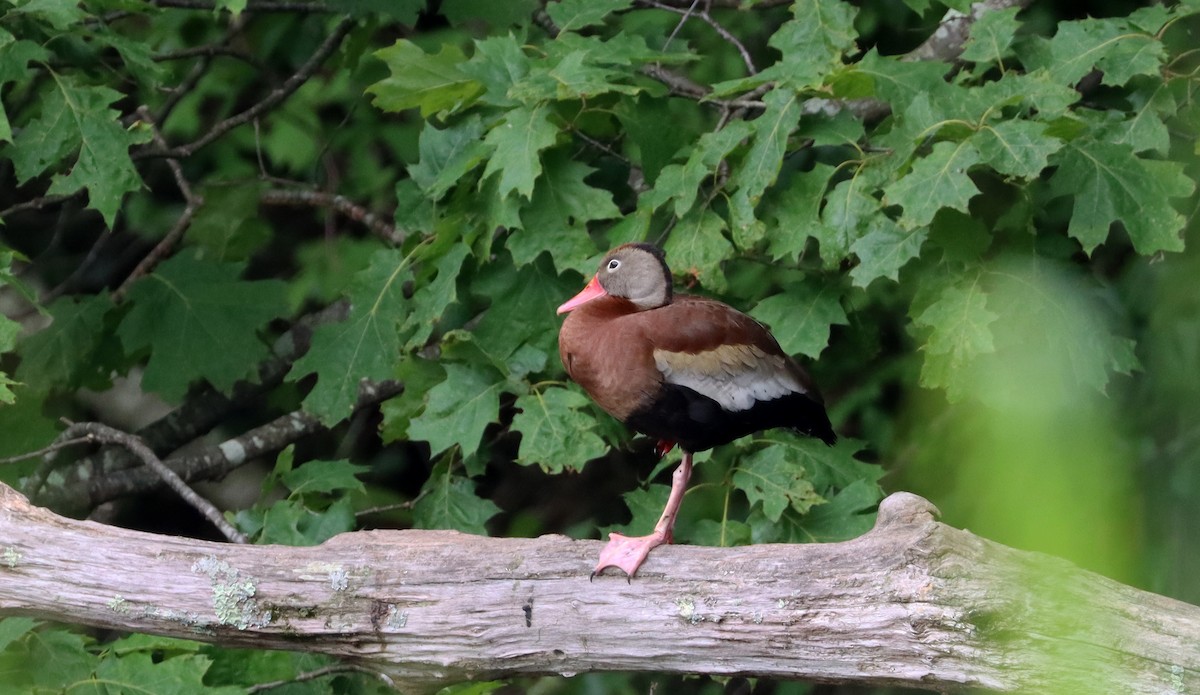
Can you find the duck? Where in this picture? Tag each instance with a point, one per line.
(683, 369)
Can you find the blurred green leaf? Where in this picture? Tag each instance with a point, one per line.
(198, 320)
(958, 324)
(572, 15)
(61, 353)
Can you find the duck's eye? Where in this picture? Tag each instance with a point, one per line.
(613, 265)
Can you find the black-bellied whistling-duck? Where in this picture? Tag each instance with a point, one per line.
(682, 369)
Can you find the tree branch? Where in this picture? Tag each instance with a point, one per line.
(276, 96)
(377, 224)
(96, 432)
(913, 603)
(79, 488)
(209, 463)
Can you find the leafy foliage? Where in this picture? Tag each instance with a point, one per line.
(953, 237)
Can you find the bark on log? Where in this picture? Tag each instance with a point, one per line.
(913, 602)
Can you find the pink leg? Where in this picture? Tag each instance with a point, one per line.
(628, 553)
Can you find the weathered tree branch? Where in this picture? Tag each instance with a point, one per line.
(913, 602)
(95, 479)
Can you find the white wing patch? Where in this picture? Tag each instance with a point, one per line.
(735, 376)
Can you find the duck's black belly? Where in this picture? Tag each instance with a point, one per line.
(697, 422)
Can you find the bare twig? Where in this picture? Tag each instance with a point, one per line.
(199, 70)
(215, 462)
(331, 670)
(350, 209)
(704, 16)
(276, 96)
(38, 203)
(98, 432)
(168, 242)
(58, 444)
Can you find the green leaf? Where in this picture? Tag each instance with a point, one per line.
(900, 82)
(59, 14)
(459, 409)
(796, 208)
(323, 477)
(523, 301)
(646, 505)
(847, 514)
(447, 155)
(433, 83)
(76, 118)
(576, 75)
(419, 375)
(1054, 328)
(555, 220)
(15, 56)
(498, 64)
(992, 36)
(497, 14)
(801, 316)
(697, 246)
(27, 428)
(958, 323)
(713, 533)
(198, 320)
(848, 213)
(12, 629)
(290, 522)
(227, 227)
(884, 250)
(1110, 45)
(518, 141)
(431, 299)
(1016, 148)
(60, 657)
(936, 181)
(1109, 183)
(1145, 129)
(775, 480)
(364, 346)
(818, 35)
(146, 672)
(60, 355)
(760, 167)
(653, 130)
(682, 182)
(449, 501)
(557, 432)
(572, 15)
